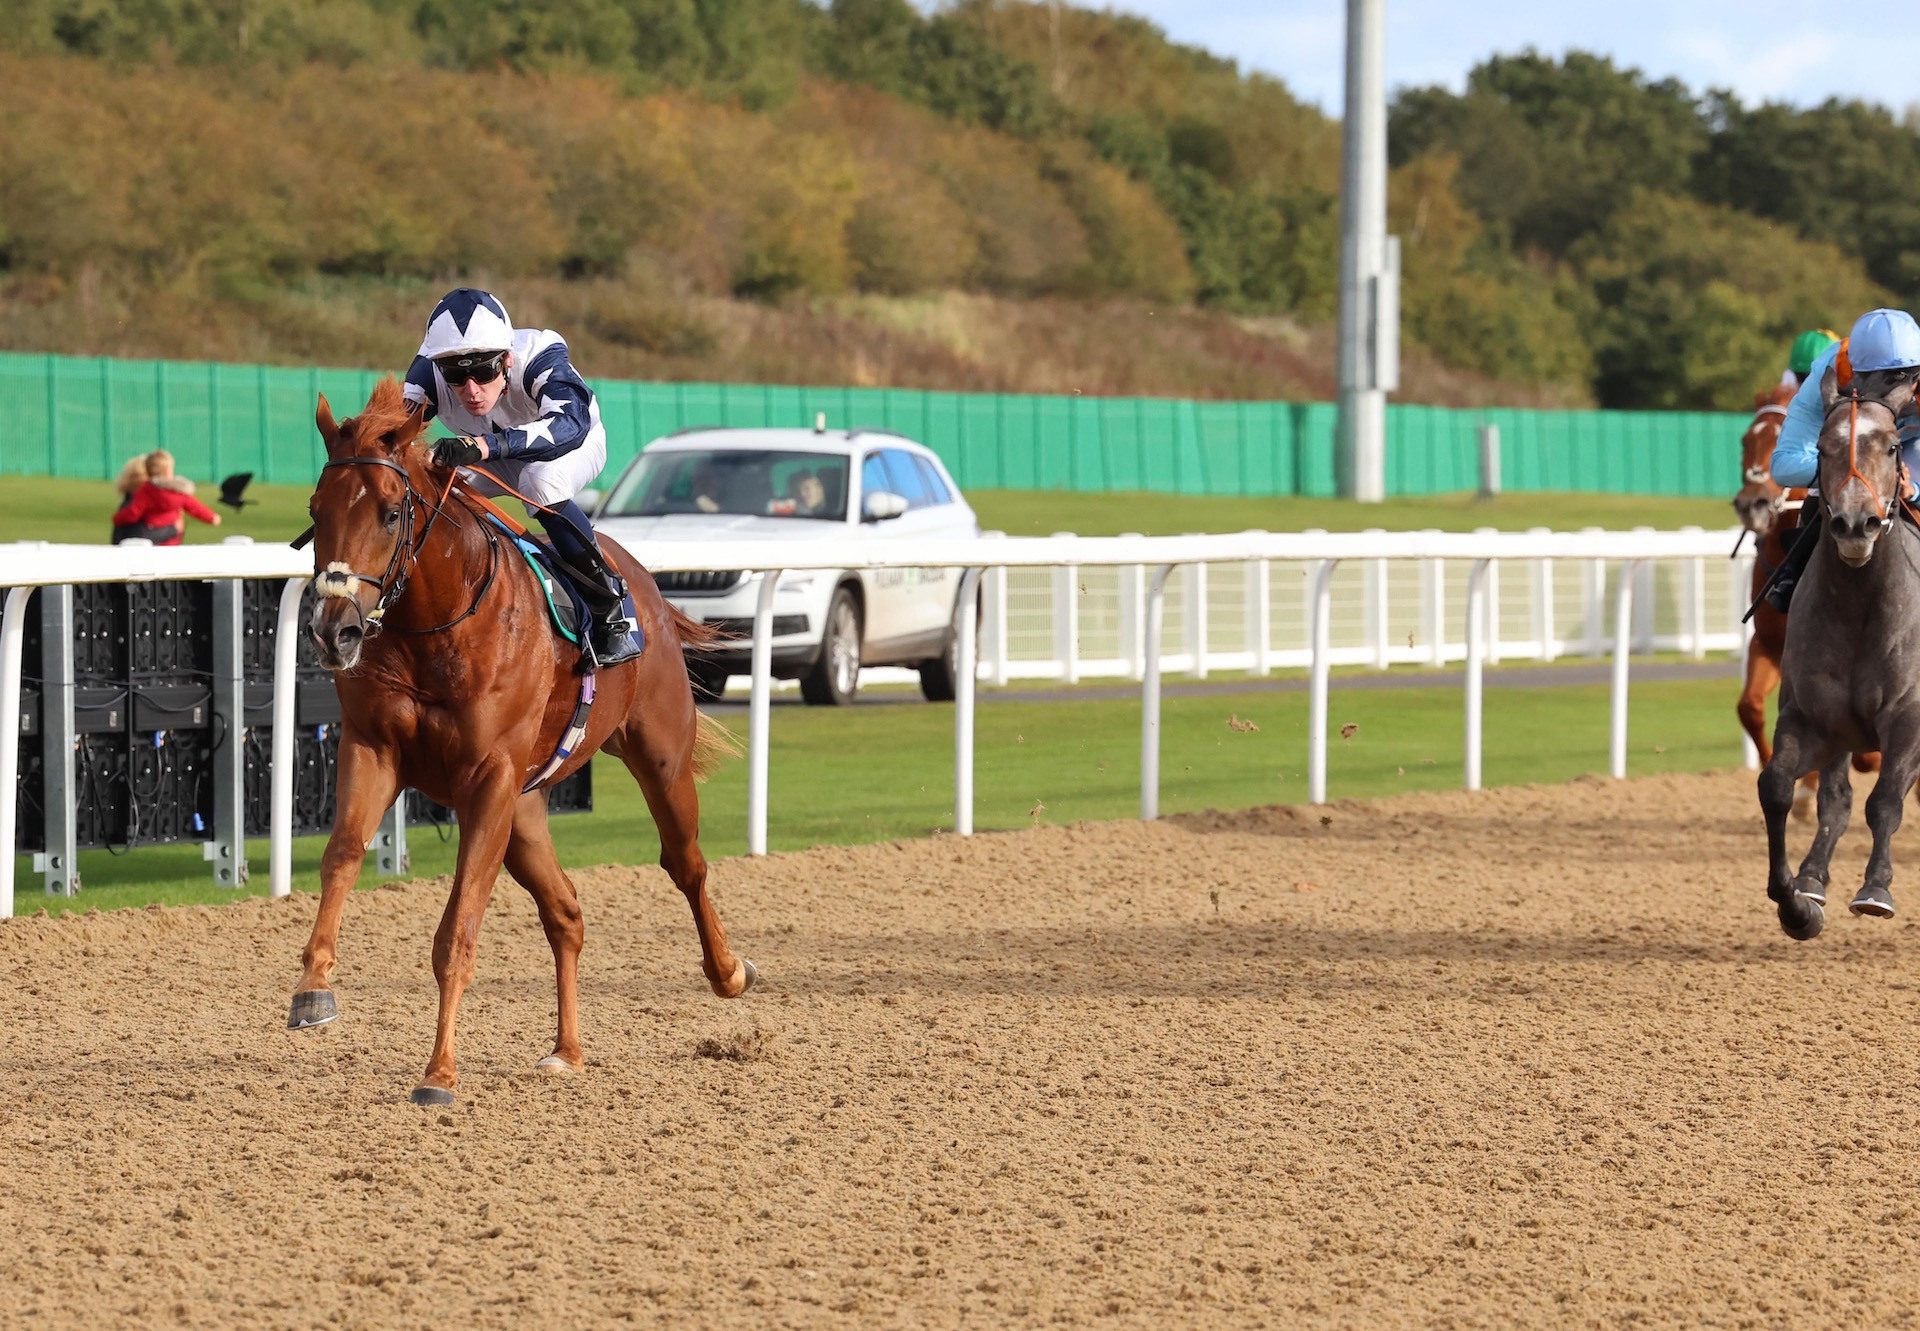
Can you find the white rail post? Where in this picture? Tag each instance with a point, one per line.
(1491, 605)
(286, 645)
(760, 714)
(1544, 632)
(1477, 579)
(1378, 640)
(1260, 614)
(1749, 752)
(1645, 602)
(1596, 601)
(1154, 621)
(1132, 579)
(1696, 603)
(1320, 609)
(13, 627)
(1066, 617)
(1194, 588)
(963, 689)
(1622, 645)
(995, 613)
(1433, 576)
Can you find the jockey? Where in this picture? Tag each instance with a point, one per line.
(1806, 349)
(1884, 351)
(521, 412)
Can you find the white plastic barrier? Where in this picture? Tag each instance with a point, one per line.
(31, 564)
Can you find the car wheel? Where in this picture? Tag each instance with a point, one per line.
(940, 676)
(709, 680)
(835, 676)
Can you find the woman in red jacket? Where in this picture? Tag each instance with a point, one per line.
(154, 499)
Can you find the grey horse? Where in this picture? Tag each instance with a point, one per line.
(1851, 668)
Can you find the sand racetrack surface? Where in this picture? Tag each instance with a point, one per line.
(1538, 1056)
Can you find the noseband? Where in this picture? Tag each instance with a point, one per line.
(391, 584)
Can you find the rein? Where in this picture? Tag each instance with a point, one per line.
(392, 581)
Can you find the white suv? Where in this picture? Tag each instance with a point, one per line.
(748, 485)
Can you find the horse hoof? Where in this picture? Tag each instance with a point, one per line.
(753, 974)
(554, 1066)
(313, 1008)
(1874, 901)
(431, 1097)
(1802, 918)
(1810, 889)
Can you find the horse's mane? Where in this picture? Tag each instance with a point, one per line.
(386, 412)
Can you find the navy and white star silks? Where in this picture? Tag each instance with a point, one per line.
(546, 410)
(466, 320)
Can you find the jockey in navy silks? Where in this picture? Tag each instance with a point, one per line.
(1882, 350)
(521, 412)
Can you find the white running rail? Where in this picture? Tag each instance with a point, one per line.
(1143, 562)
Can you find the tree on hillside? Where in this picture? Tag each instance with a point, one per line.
(1841, 171)
(1548, 149)
(1691, 305)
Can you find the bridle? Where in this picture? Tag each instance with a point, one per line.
(391, 583)
(1761, 475)
(1854, 473)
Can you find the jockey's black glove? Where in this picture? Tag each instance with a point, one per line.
(456, 451)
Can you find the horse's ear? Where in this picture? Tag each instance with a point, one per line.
(1901, 398)
(324, 422)
(1830, 386)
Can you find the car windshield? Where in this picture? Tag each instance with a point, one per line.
(764, 483)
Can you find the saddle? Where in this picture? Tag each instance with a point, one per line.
(566, 608)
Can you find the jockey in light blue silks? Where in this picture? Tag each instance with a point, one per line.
(521, 412)
(1883, 350)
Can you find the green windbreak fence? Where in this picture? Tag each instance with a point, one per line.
(83, 417)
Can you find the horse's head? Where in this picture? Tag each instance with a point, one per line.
(1860, 479)
(1760, 497)
(365, 518)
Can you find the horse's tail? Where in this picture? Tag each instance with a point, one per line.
(692, 633)
(713, 744)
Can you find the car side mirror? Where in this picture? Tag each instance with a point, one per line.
(879, 505)
(589, 501)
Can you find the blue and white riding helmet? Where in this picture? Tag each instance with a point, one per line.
(1884, 340)
(469, 322)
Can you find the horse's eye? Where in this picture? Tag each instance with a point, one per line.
(390, 518)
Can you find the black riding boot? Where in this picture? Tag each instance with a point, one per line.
(1780, 593)
(612, 635)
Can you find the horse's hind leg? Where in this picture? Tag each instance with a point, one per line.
(367, 784)
(667, 780)
(533, 864)
(1884, 809)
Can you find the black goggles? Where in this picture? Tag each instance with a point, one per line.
(457, 370)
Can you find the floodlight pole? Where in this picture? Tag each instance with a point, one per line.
(1369, 335)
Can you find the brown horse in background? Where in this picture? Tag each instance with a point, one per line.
(1772, 513)
(452, 682)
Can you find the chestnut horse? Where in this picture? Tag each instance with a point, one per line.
(1771, 513)
(452, 682)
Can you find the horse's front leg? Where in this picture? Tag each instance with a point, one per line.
(1801, 917)
(1836, 811)
(366, 786)
(486, 822)
(1900, 762)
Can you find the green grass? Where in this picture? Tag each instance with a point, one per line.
(46, 509)
(879, 773)
(871, 774)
